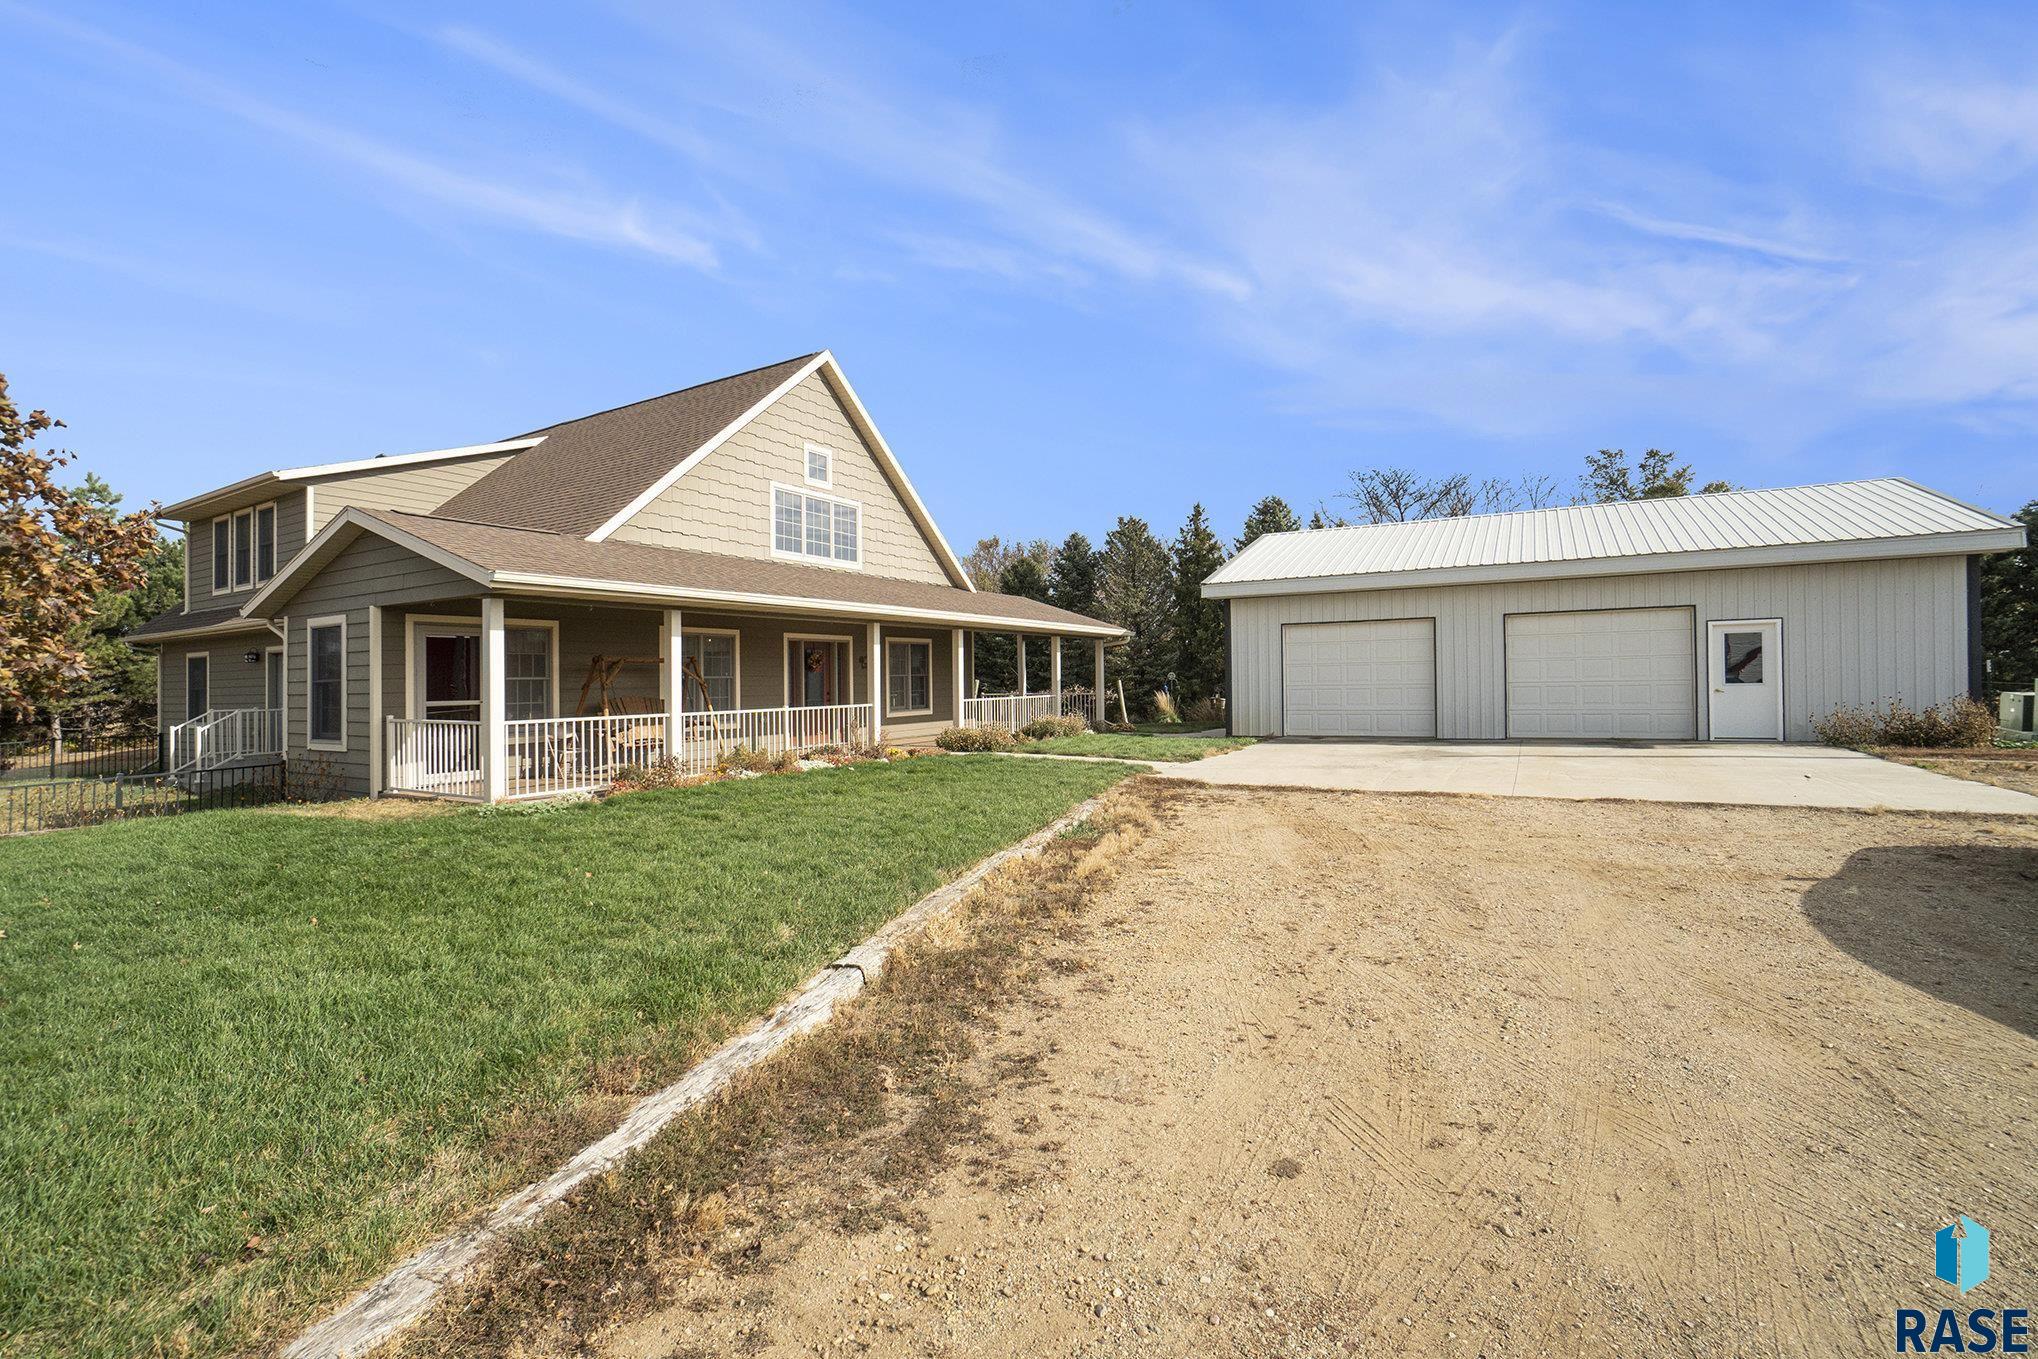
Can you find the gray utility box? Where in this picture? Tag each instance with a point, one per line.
(2018, 712)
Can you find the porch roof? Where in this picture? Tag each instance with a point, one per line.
(177, 623)
(531, 561)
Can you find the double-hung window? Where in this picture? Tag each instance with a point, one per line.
(815, 527)
(265, 542)
(527, 673)
(244, 549)
(222, 554)
(326, 695)
(909, 677)
(707, 664)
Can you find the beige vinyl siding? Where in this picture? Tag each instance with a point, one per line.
(290, 537)
(1853, 633)
(369, 570)
(234, 683)
(415, 490)
(724, 503)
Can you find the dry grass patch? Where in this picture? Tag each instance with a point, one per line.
(841, 1129)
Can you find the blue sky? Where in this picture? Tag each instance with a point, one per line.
(1080, 259)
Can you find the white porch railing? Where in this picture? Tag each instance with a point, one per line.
(553, 755)
(437, 756)
(706, 737)
(1010, 711)
(223, 736)
(1079, 703)
(545, 757)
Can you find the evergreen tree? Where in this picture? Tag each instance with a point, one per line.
(1271, 515)
(1072, 580)
(1609, 478)
(2009, 612)
(1198, 622)
(1072, 585)
(1023, 577)
(1136, 590)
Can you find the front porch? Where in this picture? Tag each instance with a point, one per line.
(506, 698)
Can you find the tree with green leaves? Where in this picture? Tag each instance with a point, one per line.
(1199, 622)
(1610, 478)
(119, 688)
(2009, 612)
(1136, 590)
(1270, 515)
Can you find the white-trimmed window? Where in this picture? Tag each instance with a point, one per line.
(820, 465)
(815, 527)
(909, 676)
(527, 673)
(325, 693)
(197, 685)
(222, 554)
(707, 664)
(265, 542)
(244, 549)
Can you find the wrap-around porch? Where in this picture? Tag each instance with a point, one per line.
(500, 698)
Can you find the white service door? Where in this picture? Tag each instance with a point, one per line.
(1613, 674)
(1744, 674)
(1359, 679)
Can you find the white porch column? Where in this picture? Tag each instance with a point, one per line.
(960, 637)
(494, 691)
(1054, 670)
(1100, 682)
(376, 756)
(672, 681)
(877, 687)
(1020, 638)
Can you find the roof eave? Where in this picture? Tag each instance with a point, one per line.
(578, 587)
(1870, 549)
(194, 506)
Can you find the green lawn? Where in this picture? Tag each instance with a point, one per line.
(253, 1057)
(1138, 745)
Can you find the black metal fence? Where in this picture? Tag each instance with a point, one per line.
(38, 761)
(60, 803)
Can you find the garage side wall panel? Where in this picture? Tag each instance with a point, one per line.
(1855, 633)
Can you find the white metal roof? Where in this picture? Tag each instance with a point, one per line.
(1887, 517)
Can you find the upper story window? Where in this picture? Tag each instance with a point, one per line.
(815, 527)
(244, 548)
(820, 465)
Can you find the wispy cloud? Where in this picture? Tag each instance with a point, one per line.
(590, 217)
(1720, 236)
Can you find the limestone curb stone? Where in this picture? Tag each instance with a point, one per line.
(400, 1298)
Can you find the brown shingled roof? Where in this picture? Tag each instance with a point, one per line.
(176, 622)
(501, 550)
(587, 469)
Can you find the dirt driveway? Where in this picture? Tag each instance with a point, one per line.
(1326, 1073)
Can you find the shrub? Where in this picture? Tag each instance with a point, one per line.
(752, 760)
(1958, 723)
(965, 739)
(660, 773)
(1205, 712)
(1164, 709)
(1047, 728)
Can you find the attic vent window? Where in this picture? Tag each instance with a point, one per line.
(820, 465)
(815, 527)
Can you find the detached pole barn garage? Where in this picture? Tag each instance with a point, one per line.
(1741, 616)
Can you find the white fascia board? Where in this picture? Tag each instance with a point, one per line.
(916, 506)
(354, 519)
(1722, 559)
(824, 363)
(190, 505)
(693, 459)
(580, 587)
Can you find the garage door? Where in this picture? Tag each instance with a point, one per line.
(1359, 679)
(1617, 674)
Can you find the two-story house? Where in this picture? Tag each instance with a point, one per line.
(740, 563)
